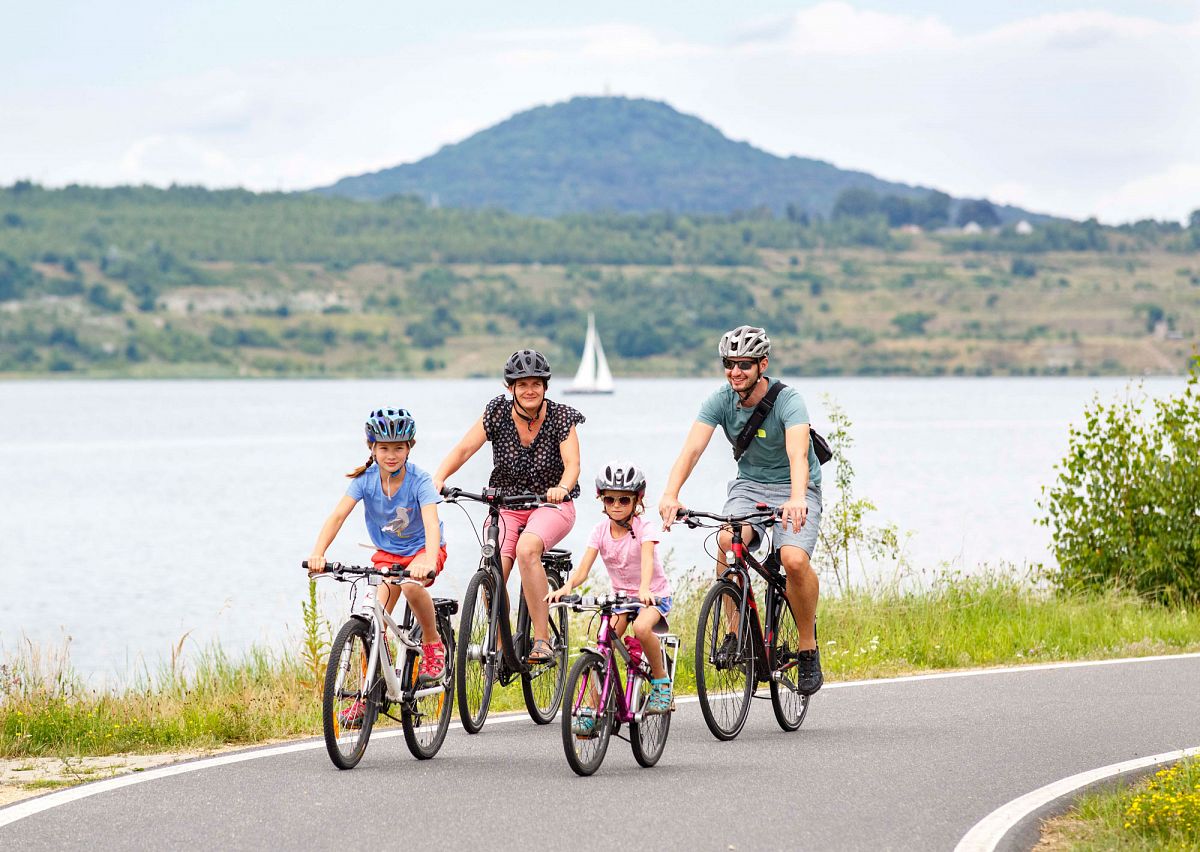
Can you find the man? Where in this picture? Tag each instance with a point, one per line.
(779, 467)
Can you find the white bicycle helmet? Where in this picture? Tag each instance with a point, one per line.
(621, 476)
(745, 341)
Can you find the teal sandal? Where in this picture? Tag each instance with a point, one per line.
(661, 697)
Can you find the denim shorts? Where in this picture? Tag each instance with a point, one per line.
(745, 494)
(663, 606)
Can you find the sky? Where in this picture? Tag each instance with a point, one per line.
(1072, 108)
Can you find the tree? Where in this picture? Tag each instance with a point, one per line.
(1123, 511)
(912, 324)
(855, 203)
(1194, 220)
(981, 212)
(933, 211)
(898, 209)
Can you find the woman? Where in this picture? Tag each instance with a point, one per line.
(535, 449)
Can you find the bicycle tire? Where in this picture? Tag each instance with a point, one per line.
(543, 686)
(789, 705)
(586, 753)
(725, 686)
(426, 720)
(345, 685)
(473, 671)
(648, 737)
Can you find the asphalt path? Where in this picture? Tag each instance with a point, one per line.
(901, 764)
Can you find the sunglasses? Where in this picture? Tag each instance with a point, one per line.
(741, 365)
(623, 500)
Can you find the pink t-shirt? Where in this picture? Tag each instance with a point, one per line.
(623, 557)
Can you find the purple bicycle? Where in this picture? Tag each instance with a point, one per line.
(601, 701)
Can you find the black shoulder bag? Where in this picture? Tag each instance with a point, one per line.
(820, 445)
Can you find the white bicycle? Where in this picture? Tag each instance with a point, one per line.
(366, 677)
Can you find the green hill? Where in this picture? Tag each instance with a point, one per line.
(621, 155)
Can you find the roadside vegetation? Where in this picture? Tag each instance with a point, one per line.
(188, 282)
(1160, 812)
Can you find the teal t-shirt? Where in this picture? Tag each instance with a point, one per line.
(765, 460)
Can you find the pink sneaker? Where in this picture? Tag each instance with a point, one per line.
(433, 664)
(351, 718)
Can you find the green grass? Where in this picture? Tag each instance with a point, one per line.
(957, 622)
(1159, 812)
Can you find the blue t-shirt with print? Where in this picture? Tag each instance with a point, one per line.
(394, 523)
(765, 460)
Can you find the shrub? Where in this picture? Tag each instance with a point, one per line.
(1168, 809)
(1125, 511)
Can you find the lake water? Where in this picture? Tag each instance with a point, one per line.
(132, 513)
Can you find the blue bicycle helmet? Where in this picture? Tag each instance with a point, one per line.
(390, 424)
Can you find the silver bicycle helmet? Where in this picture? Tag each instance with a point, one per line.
(526, 364)
(621, 476)
(745, 341)
(390, 424)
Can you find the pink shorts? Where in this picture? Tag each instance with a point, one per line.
(549, 523)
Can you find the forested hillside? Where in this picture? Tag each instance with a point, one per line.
(145, 282)
(621, 155)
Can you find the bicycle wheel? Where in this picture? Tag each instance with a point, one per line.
(543, 685)
(724, 675)
(426, 719)
(789, 705)
(585, 750)
(649, 736)
(349, 704)
(473, 670)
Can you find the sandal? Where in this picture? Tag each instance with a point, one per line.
(583, 727)
(541, 654)
(660, 699)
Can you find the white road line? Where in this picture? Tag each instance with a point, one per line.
(20, 810)
(986, 834)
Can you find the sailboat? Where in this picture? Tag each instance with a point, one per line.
(593, 375)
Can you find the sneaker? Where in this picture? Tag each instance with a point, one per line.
(433, 665)
(660, 697)
(808, 672)
(583, 726)
(727, 652)
(351, 718)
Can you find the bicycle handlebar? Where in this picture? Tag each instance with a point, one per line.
(337, 570)
(767, 515)
(600, 601)
(493, 497)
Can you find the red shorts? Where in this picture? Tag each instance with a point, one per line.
(382, 557)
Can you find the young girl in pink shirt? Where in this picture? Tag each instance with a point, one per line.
(625, 543)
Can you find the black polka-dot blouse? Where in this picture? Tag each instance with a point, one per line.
(517, 469)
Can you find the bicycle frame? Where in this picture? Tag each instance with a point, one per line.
(380, 658)
(608, 646)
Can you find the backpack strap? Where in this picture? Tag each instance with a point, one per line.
(756, 419)
(820, 445)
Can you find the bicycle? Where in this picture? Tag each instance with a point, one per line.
(362, 680)
(601, 701)
(490, 651)
(728, 655)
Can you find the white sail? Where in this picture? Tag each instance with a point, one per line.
(604, 380)
(593, 375)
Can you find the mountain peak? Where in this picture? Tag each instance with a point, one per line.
(612, 153)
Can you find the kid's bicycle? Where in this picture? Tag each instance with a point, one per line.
(600, 701)
(733, 646)
(364, 678)
(490, 651)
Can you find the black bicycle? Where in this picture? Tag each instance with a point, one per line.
(489, 649)
(733, 646)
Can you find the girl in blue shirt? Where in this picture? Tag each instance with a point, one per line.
(400, 505)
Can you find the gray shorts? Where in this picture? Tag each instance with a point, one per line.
(744, 494)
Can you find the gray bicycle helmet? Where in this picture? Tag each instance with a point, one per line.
(621, 476)
(745, 341)
(526, 364)
(390, 424)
